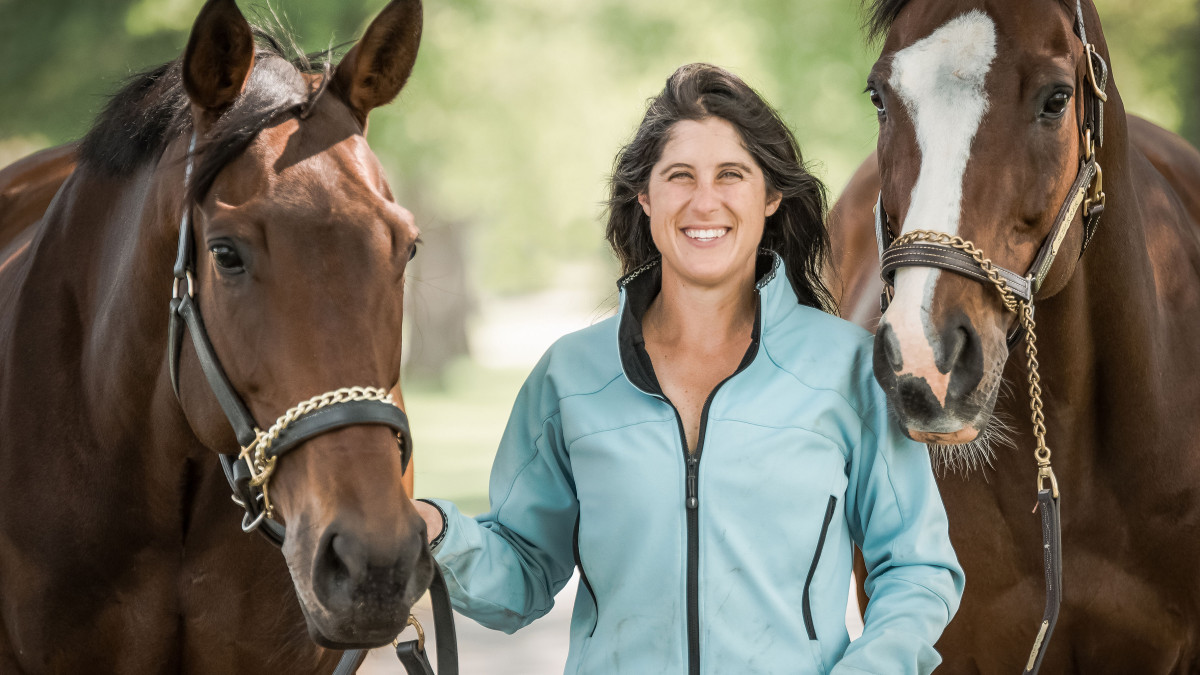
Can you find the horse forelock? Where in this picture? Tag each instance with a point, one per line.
(881, 14)
(152, 110)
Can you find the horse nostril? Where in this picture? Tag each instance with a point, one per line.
(954, 344)
(891, 346)
(962, 357)
(338, 566)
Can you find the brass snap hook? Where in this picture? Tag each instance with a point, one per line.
(412, 621)
(1046, 472)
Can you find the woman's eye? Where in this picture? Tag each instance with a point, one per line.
(679, 175)
(877, 101)
(731, 175)
(412, 252)
(226, 258)
(1056, 105)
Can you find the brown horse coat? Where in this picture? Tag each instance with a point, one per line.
(1118, 334)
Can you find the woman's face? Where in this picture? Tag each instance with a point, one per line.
(707, 202)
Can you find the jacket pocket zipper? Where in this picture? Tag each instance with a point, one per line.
(583, 575)
(808, 620)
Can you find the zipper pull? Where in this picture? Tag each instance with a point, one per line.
(693, 464)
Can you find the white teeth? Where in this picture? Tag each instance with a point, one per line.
(705, 235)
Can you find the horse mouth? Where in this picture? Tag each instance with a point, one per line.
(964, 435)
(349, 608)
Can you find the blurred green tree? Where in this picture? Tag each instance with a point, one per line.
(516, 108)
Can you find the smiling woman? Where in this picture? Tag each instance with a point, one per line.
(720, 352)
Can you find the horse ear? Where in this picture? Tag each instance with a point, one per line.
(375, 70)
(219, 56)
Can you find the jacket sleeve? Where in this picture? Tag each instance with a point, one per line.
(503, 568)
(914, 581)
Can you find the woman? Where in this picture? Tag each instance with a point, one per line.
(709, 456)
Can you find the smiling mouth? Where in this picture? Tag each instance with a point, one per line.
(706, 234)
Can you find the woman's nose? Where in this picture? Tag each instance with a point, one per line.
(705, 199)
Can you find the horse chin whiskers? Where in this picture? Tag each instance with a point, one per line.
(979, 454)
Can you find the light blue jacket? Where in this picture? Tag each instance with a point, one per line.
(798, 461)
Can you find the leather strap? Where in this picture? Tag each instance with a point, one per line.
(412, 653)
(927, 254)
(883, 233)
(1062, 223)
(235, 411)
(1048, 504)
(350, 662)
(337, 416)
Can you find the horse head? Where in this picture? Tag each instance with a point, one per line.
(299, 265)
(981, 137)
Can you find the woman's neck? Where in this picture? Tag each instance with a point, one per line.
(700, 318)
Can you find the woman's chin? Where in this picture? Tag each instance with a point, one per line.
(709, 266)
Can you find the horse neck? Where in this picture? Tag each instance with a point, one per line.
(115, 237)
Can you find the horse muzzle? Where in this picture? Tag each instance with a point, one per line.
(359, 588)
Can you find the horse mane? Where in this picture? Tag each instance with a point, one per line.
(152, 109)
(881, 14)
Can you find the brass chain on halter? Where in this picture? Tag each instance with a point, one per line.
(1024, 312)
(262, 467)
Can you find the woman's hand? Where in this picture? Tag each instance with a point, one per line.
(432, 517)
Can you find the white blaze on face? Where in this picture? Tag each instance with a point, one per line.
(940, 81)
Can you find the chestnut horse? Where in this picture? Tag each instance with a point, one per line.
(119, 548)
(982, 109)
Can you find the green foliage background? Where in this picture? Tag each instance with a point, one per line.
(517, 107)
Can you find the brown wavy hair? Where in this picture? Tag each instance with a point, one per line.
(698, 91)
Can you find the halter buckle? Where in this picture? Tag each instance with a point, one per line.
(1092, 79)
(1095, 196)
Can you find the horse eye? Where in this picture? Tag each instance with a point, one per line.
(877, 101)
(227, 258)
(1056, 105)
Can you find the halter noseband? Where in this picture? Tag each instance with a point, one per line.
(249, 471)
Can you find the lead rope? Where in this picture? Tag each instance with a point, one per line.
(1047, 495)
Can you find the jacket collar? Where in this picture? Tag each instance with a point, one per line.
(640, 287)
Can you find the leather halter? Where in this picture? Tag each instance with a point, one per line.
(248, 483)
(240, 473)
(1087, 191)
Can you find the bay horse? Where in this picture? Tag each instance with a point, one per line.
(990, 112)
(237, 183)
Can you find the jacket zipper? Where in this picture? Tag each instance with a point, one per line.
(691, 505)
(808, 620)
